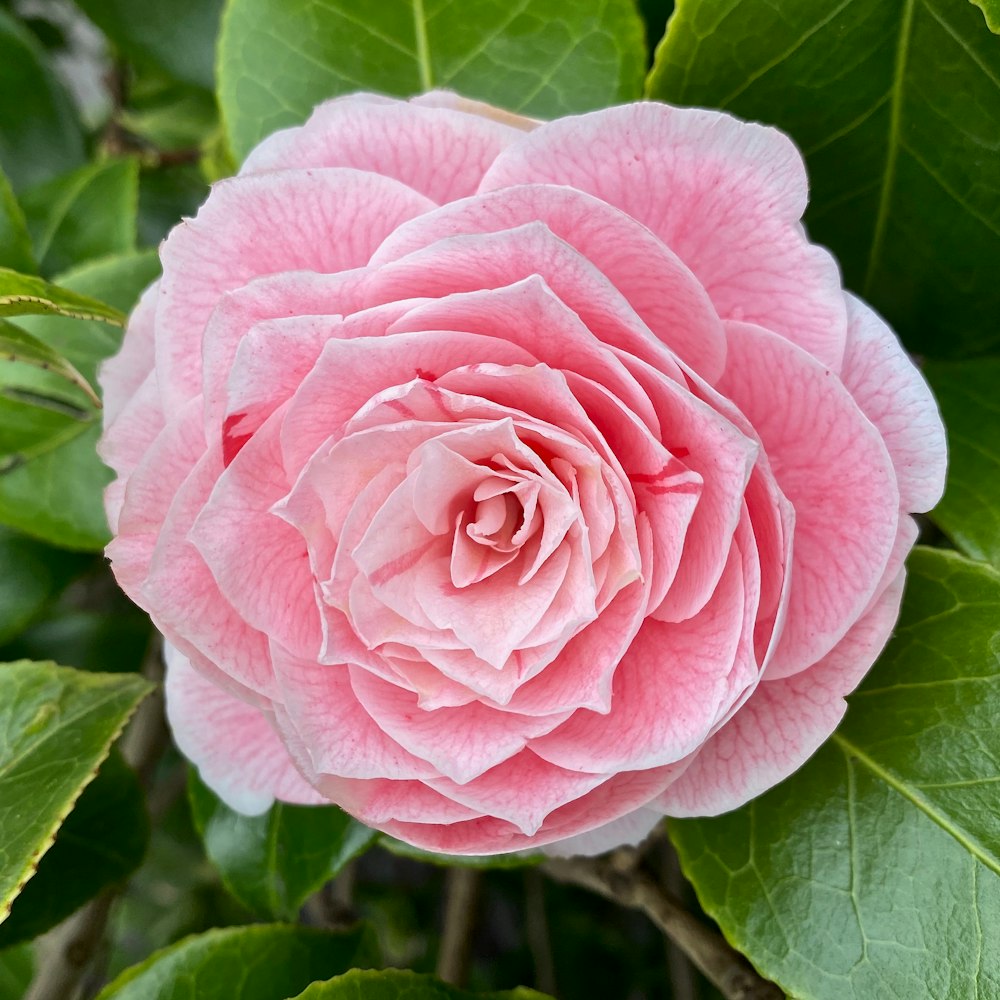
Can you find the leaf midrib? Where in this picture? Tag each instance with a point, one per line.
(909, 793)
(892, 147)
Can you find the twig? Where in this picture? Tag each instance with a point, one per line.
(537, 929)
(620, 878)
(461, 894)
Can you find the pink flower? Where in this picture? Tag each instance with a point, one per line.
(507, 482)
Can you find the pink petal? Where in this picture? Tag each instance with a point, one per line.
(440, 152)
(183, 598)
(461, 743)
(783, 723)
(667, 690)
(269, 582)
(523, 790)
(724, 195)
(893, 395)
(831, 463)
(469, 263)
(658, 286)
(262, 224)
(361, 368)
(121, 375)
(234, 745)
(340, 737)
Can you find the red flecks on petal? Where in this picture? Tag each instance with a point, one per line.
(232, 442)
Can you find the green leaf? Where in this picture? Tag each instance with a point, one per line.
(57, 495)
(56, 726)
(273, 863)
(40, 135)
(101, 842)
(991, 11)
(26, 295)
(166, 194)
(20, 346)
(32, 575)
(262, 962)
(176, 35)
(17, 968)
(896, 105)
(15, 243)
(87, 214)
(516, 859)
(969, 511)
(169, 115)
(279, 58)
(401, 984)
(875, 870)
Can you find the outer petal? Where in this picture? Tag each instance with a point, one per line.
(440, 151)
(234, 746)
(783, 723)
(895, 398)
(831, 463)
(122, 374)
(251, 226)
(724, 195)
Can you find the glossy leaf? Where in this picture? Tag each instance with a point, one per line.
(32, 574)
(15, 243)
(969, 512)
(261, 962)
(896, 105)
(279, 58)
(19, 346)
(56, 726)
(991, 11)
(176, 35)
(274, 862)
(84, 215)
(40, 135)
(57, 495)
(101, 842)
(875, 870)
(26, 295)
(401, 984)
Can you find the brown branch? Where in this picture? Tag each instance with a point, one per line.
(536, 927)
(620, 877)
(461, 896)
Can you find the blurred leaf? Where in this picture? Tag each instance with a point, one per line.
(401, 984)
(87, 214)
(57, 496)
(40, 135)
(274, 862)
(15, 243)
(166, 195)
(176, 35)
(24, 295)
(875, 870)
(217, 160)
(896, 105)
(17, 968)
(279, 58)
(969, 512)
(991, 11)
(101, 842)
(517, 859)
(19, 346)
(113, 642)
(170, 115)
(262, 962)
(56, 726)
(32, 574)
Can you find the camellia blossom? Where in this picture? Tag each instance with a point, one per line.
(511, 483)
